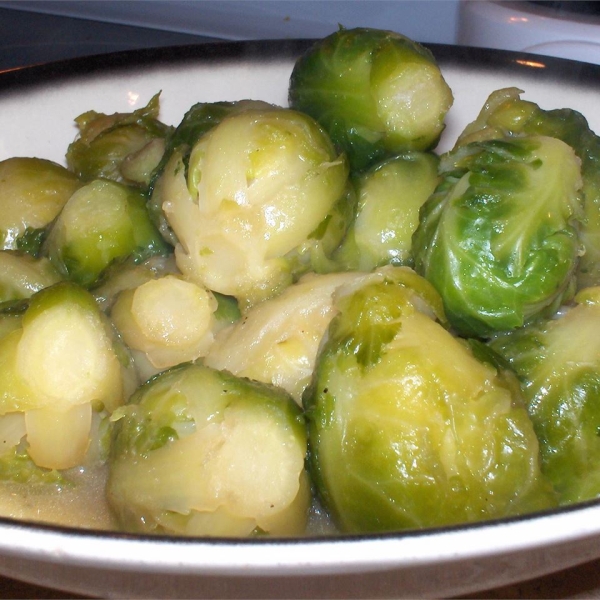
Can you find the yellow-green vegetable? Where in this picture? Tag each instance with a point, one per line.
(200, 452)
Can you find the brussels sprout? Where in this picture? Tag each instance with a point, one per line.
(316, 253)
(201, 452)
(129, 275)
(169, 319)
(199, 119)
(499, 239)
(377, 93)
(277, 340)
(102, 222)
(407, 428)
(124, 147)
(33, 191)
(22, 275)
(558, 364)
(505, 113)
(257, 186)
(390, 195)
(56, 369)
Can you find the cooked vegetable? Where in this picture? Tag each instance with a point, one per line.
(168, 319)
(317, 252)
(199, 119)
(201, 452)
(499, 237)
(130, 274)
(22, 275)
(407, 427)
(558, 364)
(390, 195)
(32, 193)
(277, 340)
(56, 369)
(506, 114)
(102, 222)
(124, 147)
(217, 328)
(257, 187)
(376, 92)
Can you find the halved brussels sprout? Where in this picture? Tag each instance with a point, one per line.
(33, 191)
(499, 238)
(103, 222)
(558, 364)
(201, 452)
(58, 368)
(407, 427)
(377, 93)
(257, 186)
(390, 195)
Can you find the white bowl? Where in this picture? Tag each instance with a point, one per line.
(37, 107)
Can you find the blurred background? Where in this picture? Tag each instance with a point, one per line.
(34, 31)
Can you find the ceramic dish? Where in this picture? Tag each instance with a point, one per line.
(37, 107)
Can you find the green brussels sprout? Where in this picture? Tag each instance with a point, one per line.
(58, 368)
(199, 119)
(407, 427)
(167, 319)
(257, 186)
(22, 275)
(103, 222)
(277, 340)
(33, 191)
(506, 114)
(124, 147)
(499, 237)
(200, 452)
(377, 93)
(558, 364)
(390, 195)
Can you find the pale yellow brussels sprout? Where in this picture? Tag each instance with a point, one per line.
(58, 368)
(129, 275)
(257, 186)
(33, 191)
(22, 275)
(277, 340)
(200, 452)
(169, 320)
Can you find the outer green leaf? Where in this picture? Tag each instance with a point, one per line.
(499, 238)
(558, 364)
